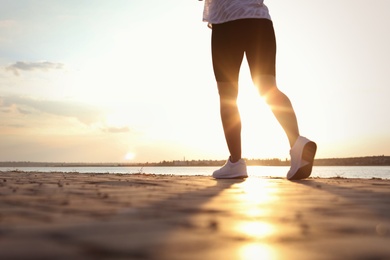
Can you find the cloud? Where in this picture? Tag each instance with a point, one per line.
(7, 23)
(83, 112)
(18, 110)
(30, 66)
(116, 130)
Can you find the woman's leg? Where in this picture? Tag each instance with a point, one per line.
(261, 55)
(230, 118)
(227, 54)
(280, 106)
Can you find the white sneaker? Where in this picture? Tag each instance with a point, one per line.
(302, 158)
(231, 170)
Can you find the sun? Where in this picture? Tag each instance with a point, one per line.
(262, 136)
(129, 156)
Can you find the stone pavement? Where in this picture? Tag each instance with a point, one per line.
(109, 216)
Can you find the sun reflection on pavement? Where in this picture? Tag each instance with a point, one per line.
(257, 251)
(255, 196)
(257, 191)
(255, 229)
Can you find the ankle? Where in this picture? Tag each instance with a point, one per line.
(234, 159)
(293, 140)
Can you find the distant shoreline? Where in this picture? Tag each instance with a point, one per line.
(351, 161)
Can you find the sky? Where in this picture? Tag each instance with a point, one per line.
(132, 81)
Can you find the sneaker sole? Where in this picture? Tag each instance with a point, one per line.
(231, 177)
(308, 153)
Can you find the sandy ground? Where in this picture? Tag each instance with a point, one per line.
(109, 216)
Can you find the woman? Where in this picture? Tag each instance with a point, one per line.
(245, 27)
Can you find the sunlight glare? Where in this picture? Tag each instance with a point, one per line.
(262, 135)
(259, 191)
(255, 229)
(129, 156)
(256, 251)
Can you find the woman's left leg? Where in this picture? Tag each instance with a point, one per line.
(228, 53)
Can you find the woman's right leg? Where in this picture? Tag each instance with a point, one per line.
(227, 54)
(261, 55)
(280, 106)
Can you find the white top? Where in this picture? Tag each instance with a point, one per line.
(220, 11)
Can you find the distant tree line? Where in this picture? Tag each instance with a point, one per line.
(355, 161)
(352, 161)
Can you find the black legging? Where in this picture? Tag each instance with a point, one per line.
(230, 40)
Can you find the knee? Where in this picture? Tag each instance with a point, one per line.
(227, 91)
(266, 84)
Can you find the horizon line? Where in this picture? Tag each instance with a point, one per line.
(130, 162)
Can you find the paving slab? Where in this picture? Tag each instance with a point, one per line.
(146, 216)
